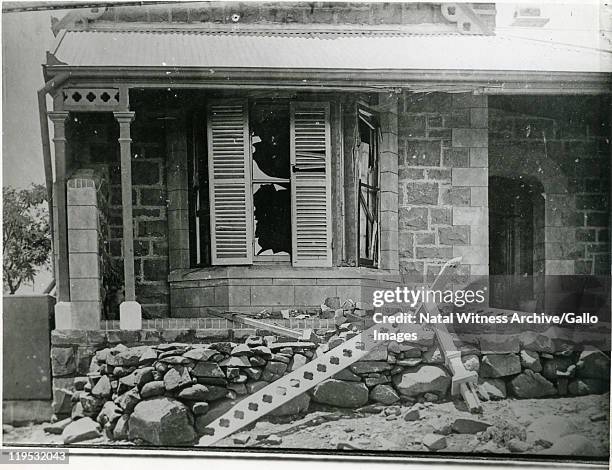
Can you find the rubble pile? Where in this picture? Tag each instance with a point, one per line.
(168, 393)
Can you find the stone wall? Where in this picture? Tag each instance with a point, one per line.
(571, 159)
(443, 183)
(93, 143)
(256, 288)
(165, 388)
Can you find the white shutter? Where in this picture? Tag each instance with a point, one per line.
(310, 184)
(229, 182)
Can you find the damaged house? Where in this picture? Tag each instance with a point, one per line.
(227, 156)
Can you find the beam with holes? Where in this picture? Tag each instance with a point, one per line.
(285, 389)
(327, 365)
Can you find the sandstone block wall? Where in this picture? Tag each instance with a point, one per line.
(571, 159)
(443, 181)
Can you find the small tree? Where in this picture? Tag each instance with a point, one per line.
(25, 234)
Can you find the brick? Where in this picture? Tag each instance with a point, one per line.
(455, 158)
(583, 267)
(434, 253)
(406, 242)
(388, 239)
(434, 121)
(155, 269)
(388, 180)
(470, 177)
(411, 174)
(469, 100)
(458, 119)
(479, 157)
(82, 217)
(419, 194)
(470, 216)
(428, 238)
(152, 197)
(412, 271)
(441, 216)
(115, 247)
(601, 264)
(559, 267)
(141, 247)
(152, 213)
(597, 219)
(62, 362)
(427, 102)
(413, 218)
(422, 153)
(267, 296)
(470, 138)
(412, 126)
(145, 172)
(443, 175)
(479, 196)
(603, 235)
(456, 235)
(479, 118)
(472, 254)
(84, 265)
(596, 202)
(479, 235)
(81, 196)
(83, 241)
(84, 289)
(159, 248)
(152, 228)
(440, 134)
(456, 196)
(312, 295)
(585, 235)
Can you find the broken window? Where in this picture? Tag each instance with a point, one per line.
(367, 171)
(269, 166)
(269, 132)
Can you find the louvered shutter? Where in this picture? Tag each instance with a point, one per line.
(229, 182)
(310, 184)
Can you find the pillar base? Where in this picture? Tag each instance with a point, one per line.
(63, 316)
(130, 315)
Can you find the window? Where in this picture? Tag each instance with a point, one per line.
(269, 182)
(368, 187)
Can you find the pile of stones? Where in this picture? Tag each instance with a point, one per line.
(168, 393)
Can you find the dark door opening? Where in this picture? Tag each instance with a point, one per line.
(516, 241)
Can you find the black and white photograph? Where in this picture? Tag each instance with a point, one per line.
(327, 231)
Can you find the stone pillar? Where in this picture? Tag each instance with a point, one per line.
(473, 179)
(63, 309)
(178, 196)
(130, 312)
(83, 248)
(388, 164)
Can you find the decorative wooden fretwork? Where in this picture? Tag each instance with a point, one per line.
(91, 99)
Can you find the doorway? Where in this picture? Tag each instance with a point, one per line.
(516, 241)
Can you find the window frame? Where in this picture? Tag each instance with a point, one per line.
(375, 135)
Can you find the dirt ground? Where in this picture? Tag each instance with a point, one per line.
(385, 430)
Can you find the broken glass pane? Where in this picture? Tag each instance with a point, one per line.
(269, 125)
(272, 215)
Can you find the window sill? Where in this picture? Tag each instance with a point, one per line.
(277, 272)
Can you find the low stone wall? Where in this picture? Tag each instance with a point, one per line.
(164, 388)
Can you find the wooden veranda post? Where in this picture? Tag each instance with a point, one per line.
(130, 312)
(63, 308)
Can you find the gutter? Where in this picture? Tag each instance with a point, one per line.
(46, 146)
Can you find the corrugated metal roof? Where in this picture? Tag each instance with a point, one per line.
(323, 51)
